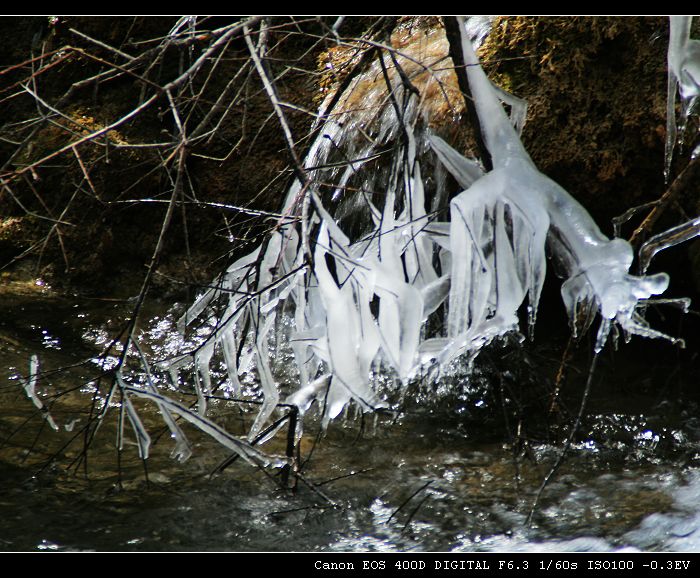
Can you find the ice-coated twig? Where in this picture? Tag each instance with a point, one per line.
(242, 448)
(679, 234)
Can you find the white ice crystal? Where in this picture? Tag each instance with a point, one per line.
(30, 390)
(361, 283)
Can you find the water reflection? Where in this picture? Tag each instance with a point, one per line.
(434, 480)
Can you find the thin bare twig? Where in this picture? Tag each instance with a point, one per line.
(569, 440)
(274, 100)
(102, 44)
(687, 176)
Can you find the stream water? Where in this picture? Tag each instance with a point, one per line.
(442, 476)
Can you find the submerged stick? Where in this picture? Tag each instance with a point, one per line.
(569, 440)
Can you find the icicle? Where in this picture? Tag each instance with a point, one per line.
(352, 341)
(234, 276)
(465, 171)
(304, 397)
(202, 380)
(143, 440)
(182, 450)
(30, 390)
(400, 304)
(518, 108)
(434, 294)
(683, 78)
(337, 398)
(172, 366)
(418, 249)
(230, 351)
(267, 382)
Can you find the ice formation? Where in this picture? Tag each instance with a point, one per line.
(30, 390)
(597, 268)
(370, 277)
(683, 79)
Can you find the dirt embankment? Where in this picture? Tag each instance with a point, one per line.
(90, 216)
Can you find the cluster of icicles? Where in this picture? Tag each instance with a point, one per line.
(408, 289)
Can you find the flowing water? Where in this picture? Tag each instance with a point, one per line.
(441, 475)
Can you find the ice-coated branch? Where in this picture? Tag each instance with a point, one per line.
(597, 267)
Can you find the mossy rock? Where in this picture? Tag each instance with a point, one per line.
(596, 90)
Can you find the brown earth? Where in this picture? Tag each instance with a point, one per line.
(102, 241)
